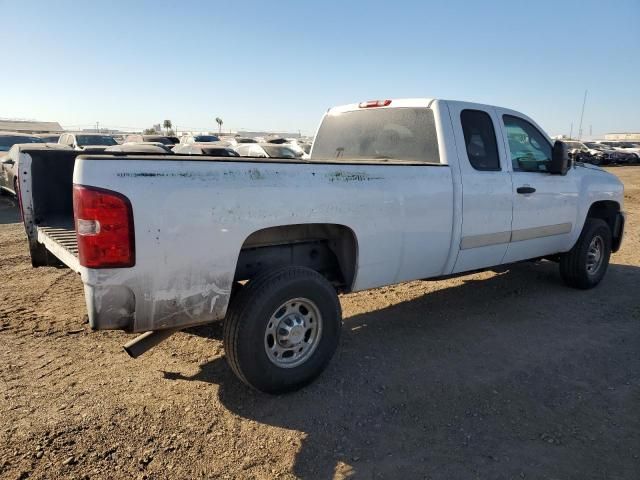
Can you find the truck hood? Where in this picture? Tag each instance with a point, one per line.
(590, 166)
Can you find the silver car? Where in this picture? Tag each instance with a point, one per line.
(8, 168)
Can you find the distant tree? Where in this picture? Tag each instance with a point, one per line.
(167, 125)
(171, 133)
(219, 122)
(149, 131)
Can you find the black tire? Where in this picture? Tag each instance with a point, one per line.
(251, 313)
(577, 266)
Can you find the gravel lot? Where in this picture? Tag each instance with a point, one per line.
(493, 375)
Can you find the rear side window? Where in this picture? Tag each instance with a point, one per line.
(480, 140)
(378, 135)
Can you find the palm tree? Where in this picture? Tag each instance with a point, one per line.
(219, 122)
(167, 125)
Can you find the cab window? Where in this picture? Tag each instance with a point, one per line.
(480, 140)
(530, 150)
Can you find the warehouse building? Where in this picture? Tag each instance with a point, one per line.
(623, 136)
(27, 126)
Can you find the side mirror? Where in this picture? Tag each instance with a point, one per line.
(559, 159)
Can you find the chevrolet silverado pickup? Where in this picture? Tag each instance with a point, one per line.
(394, 190)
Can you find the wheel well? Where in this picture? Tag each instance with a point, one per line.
(608, 211)
(329, 249)
(605, 210)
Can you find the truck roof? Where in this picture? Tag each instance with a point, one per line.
(393, 103)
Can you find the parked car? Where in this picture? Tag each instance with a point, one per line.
(49, 137)
(246, 140)
(212, 149)
(8, 168)
(306, 147)
(168, 141)
(267, 150)
(87, 141)
(621, 146)
(231, 141)
(289, 142)
(395, 190)
(141, 147)
(609, 154)
(199, 138)
(580, 152)
(631, 148)
(9, 139)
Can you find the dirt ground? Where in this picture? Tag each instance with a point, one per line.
(492, 375)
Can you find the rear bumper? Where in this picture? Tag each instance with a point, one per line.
(618, 231)
(110, 307)
(134, 307)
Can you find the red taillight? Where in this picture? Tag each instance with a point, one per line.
(104, 227)
(375, 103)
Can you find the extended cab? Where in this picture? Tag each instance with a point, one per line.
(395, 190)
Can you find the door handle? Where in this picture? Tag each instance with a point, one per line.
(525, 190)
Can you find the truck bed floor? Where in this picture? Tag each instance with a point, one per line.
(59, 237)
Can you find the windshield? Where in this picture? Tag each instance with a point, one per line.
(400, 134)
(595, 146)
(95, 140)
(279, 151)
(206, 138)
(8, 141)
(627, 145)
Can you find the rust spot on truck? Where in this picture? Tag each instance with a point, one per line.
(342, 176)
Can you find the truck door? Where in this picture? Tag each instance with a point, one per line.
(486, 187)
(545, 206)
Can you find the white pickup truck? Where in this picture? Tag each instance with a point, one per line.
(395, 190)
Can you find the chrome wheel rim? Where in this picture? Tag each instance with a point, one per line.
(293, 333)
(595, 254)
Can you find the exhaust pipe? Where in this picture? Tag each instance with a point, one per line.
(147, 341)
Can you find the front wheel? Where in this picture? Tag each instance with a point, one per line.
(282, 329)
(586, 263)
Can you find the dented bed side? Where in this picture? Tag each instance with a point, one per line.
(192, 218)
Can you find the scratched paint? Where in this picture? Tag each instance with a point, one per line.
(252, 173)
(342, 176)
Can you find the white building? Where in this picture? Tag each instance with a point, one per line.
(623, 136)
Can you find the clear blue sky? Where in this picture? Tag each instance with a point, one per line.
(280, 65)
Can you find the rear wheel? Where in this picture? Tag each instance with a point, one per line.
(282, 329)
(586, 263)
